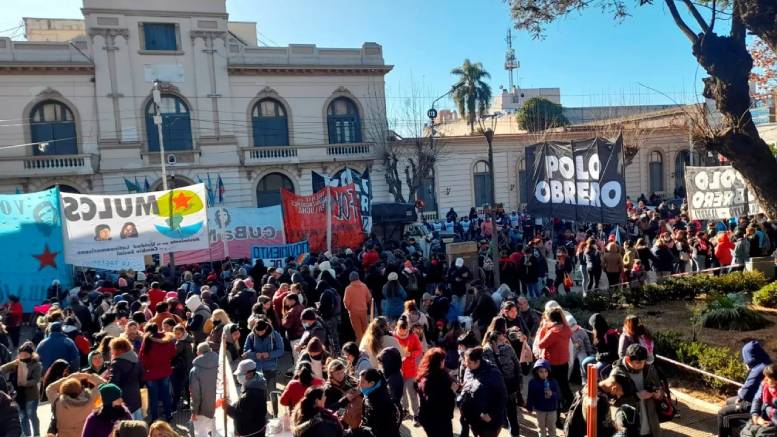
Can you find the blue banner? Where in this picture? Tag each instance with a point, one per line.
(31, 238)
(275, 256)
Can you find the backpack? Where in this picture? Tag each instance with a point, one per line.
(412, 281)
(574, 424)
(666, 407)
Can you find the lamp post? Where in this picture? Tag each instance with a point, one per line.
(488, 133)
(157, 96)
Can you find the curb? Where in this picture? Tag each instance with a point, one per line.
(705, 406)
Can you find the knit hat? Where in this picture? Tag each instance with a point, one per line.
(131, 428)
(315, 346)
(393, 276)
(353, 276)
(193, 302)
(542, 364)
(426, 296)
(109, 392)
(92, 355)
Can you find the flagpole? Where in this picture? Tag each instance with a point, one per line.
(328, 218)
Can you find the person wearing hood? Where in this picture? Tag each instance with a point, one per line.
(724, 249)
(264, 345)
(72, 403)
(662, 258)
(642, 388)
(156, 355)
(182, 364)
(606, 341)
(357, 302)
(393, 298)
(502, 294)
(57, 345)
(380, 412)
(741, 250)
(101, 422)
(96, 362)
(458, 276)
(390, 364)
(581, 343)
(311, 419)
(737, 409)
(483, 397)
(202, 388)
(126, 372)
(25, 374)
(544, 397)
(200, 313)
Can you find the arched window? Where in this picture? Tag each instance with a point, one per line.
(682, 159)
(656, 172)
(343, 121)
(271, 125)
(482, 179)
(63, 188)
(176, 124)
(268, 191)
(52, 124)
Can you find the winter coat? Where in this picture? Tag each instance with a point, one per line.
(127, 373)
(329, 303)
(196, 323)
(765, 404)
(157, 355)
(57, 345)
(755, 358)
(663, 260)
(741, 251)
(250, 411)
(202, 384)
(71, 413)
(651, 384)
(27, 391)
(97, 425)
(380, 413)
(385, 341)
(292, 323)
(484, 392)
(271, 343)
(458, 278)
(9, 417)
(582, 342)
(612, 262)
(593, 260)
(317, 329)
(184, 355)
(295, 391)
(413, 349)
(506, 361)
(484, 310)
(392, 306)
(436, 399)
(724, 250)
(554, 342)
(536, 399)
(392, 370)
(357, 297)
(322, 424)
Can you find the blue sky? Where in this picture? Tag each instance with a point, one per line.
(594, 60)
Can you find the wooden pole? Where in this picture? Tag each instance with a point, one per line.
(593, 386)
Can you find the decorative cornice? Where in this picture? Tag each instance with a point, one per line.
(206, 34)
(49, 93)
(147, 13)
(345, 70)
(47, 68)
(106, 32)
(267, 91)
(169, 88)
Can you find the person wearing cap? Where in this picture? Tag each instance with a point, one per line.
(394, 296)
(642, 389)
(202, 387)
(250, 411)
(101, 422)
(264, 345)
(58, 345)
(357, 302)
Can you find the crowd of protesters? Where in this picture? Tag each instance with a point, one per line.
(375, 336)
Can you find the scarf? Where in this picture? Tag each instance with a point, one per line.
(21, 374)
(769, 395)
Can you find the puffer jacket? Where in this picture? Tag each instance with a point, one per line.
(271, 343)
(184, 355)
(127, 373)
(71, 413)
(506, 361)
(755, 358)
(484, 392)
(651, 383)
(202, 384)
(27, 391)
(250, 411)
(157, 357)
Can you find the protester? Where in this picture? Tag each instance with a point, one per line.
(411, 351)
(100, 423)
(295, 389)
(161, 429)
(736, 410)
(58, 345)
(264, 345)
(202, 388)
(24, 373)
(9, 414)
(127, 374)
(357, 301)
(341, 393)
(311, 419)
(483, 396)
(437, 395)
(553, 339)
(381, 413)
(356, 360)
(377, 338)
(644, 387)
(156, 356)
(250, 411)
(497, 350)
(182, 364)
(72, 403)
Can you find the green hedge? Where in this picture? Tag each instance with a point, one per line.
(688, 287)
(721, 361)
(766, 296)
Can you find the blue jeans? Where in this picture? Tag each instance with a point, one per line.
(29, 413)
(533, 289)
(159, 390)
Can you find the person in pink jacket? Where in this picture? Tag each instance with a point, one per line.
(553, 340)
(411, 350)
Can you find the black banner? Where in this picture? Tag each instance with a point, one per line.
(717, 193)
(579, 180)
(350, 176)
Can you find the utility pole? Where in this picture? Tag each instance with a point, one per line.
(157, 95)
(488, 133)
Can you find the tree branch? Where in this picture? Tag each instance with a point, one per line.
(738, 31)
(697, 16)
(714, 12)
(678, 20)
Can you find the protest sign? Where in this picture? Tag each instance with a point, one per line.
(361, 182)
(275, 256)
(132, 225)
(305, 218)
(579, 180)
(717, 193)
(31, 237)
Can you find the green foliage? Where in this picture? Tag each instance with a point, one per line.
(538, 114)
(721, 361)
(730, 312)
(471, 94)
(596, 302)
(689, 287)
(766, 296)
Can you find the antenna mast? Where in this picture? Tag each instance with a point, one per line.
(511, 62)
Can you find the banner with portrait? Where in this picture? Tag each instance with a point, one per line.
(31, 237)
(305, 218)
(579, 180)
(241, 229)
(361, 182)
(276, 256)
(718, 193)
(132, 225)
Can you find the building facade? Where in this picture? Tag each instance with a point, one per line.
(78, 110)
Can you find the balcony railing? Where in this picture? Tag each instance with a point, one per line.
(312, 153)
(55, 165)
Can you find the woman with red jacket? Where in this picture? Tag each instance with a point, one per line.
(295, 389)
(554, 336)
(724, 250)
(156, 355)
(411, 350)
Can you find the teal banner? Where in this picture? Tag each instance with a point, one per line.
(31, 238)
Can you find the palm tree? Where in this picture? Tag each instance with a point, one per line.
(471, 94)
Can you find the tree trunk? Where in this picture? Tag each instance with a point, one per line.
(727, 61)
(760, 17)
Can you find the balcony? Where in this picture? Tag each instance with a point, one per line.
(308, 154)
(59, 165)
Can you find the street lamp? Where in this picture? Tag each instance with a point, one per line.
(157, 97)
(488, 133)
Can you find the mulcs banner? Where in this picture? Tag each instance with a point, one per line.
(276, 256)
(717, 193)
(579, 180)
(241, 229)
(305, 218)
(132, 225)
(363, 188)
(31, 237)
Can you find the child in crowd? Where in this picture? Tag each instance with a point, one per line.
(581, 343)
(544, 397)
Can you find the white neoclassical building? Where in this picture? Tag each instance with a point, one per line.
(77, 103)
